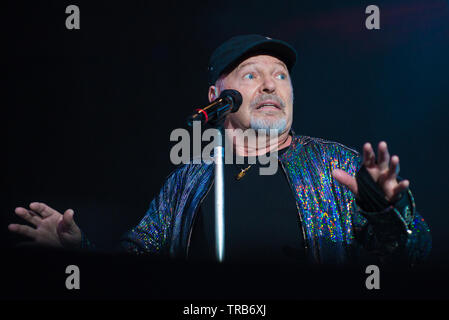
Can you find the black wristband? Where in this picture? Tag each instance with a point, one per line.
(371, 197)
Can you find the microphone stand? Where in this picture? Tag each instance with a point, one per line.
(229, 101)
(219, 195)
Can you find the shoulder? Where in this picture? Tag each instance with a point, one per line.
(188, 172)
(324, 145)
(324, 152)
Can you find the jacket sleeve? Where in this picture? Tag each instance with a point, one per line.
(396, 234)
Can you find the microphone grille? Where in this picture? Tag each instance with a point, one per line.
(234, 96)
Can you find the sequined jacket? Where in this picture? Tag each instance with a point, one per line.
(335, 229)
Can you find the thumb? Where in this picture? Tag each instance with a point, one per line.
(346, 179)
(68, 223)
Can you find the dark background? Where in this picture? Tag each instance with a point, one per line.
(89, 112)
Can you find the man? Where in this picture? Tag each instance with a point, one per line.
(325, 204)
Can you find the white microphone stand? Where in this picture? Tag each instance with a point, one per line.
(219, 196)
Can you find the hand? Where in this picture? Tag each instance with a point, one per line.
(384, 172)
(51, 228)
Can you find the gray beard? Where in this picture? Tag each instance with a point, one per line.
(262, 124)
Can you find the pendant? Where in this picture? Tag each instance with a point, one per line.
(242, 173)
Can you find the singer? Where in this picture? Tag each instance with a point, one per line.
(326, 203)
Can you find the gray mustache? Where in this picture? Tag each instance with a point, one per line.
(265, 97)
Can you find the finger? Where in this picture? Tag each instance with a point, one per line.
(67, 220)
(369, 158)
(346, 179)
(393, 170)
(383, 157)
(23, 230)
(397, 190)
(42, 209)
(28, 215)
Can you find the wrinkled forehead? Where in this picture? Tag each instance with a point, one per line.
(261, 60)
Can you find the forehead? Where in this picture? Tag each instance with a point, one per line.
(263, 60)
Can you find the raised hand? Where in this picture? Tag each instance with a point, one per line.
(51, 228)
(384, 172)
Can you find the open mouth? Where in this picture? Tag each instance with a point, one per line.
(268, 105)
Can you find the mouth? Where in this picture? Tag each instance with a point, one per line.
(268, 105)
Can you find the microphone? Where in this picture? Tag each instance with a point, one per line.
(228, 101)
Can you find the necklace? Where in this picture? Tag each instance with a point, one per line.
(242, 173)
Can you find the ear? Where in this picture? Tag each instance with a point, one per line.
(213, 93)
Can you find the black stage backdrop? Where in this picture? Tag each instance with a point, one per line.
(89, 112)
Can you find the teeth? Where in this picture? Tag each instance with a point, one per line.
(267, 105)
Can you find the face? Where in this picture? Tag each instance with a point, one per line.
(267, 92)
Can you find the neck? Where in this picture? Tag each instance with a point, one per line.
(246, 144)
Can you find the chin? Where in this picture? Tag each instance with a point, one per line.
(269, 123)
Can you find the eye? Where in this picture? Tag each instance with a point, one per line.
(281, 76)
(249, 76)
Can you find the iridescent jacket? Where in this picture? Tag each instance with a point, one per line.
(335, 229)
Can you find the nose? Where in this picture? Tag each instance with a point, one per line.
(268, 85)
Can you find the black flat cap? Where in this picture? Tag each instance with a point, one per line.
(229, 54)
